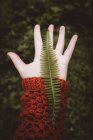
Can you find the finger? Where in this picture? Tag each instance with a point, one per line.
(19, 64)
(51, 29)
(68, 52)
(37, 41)
(61, 39)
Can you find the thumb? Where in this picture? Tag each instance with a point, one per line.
(19, 64)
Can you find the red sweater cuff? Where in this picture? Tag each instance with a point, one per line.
(36, 83)
(35, 120)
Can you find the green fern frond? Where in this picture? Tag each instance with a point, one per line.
(50, 72)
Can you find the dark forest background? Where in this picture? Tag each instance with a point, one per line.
(17, 21)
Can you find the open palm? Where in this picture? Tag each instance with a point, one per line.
(33, 69)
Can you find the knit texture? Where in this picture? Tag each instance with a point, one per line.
(34, 119)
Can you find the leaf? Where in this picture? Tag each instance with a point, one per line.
(50, 72)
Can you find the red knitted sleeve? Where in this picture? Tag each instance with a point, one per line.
(34, 120)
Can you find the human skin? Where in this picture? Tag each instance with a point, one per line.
(33, 69)
(35, 120)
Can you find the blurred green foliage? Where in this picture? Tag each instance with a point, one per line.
(17, 21)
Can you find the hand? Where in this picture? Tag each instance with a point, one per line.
(33, 69)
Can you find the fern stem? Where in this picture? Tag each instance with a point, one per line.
(50, 74)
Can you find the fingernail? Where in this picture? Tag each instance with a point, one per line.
(51, 26)
(75, 36)
(37, 26)
(8, 53)
(62, 28)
